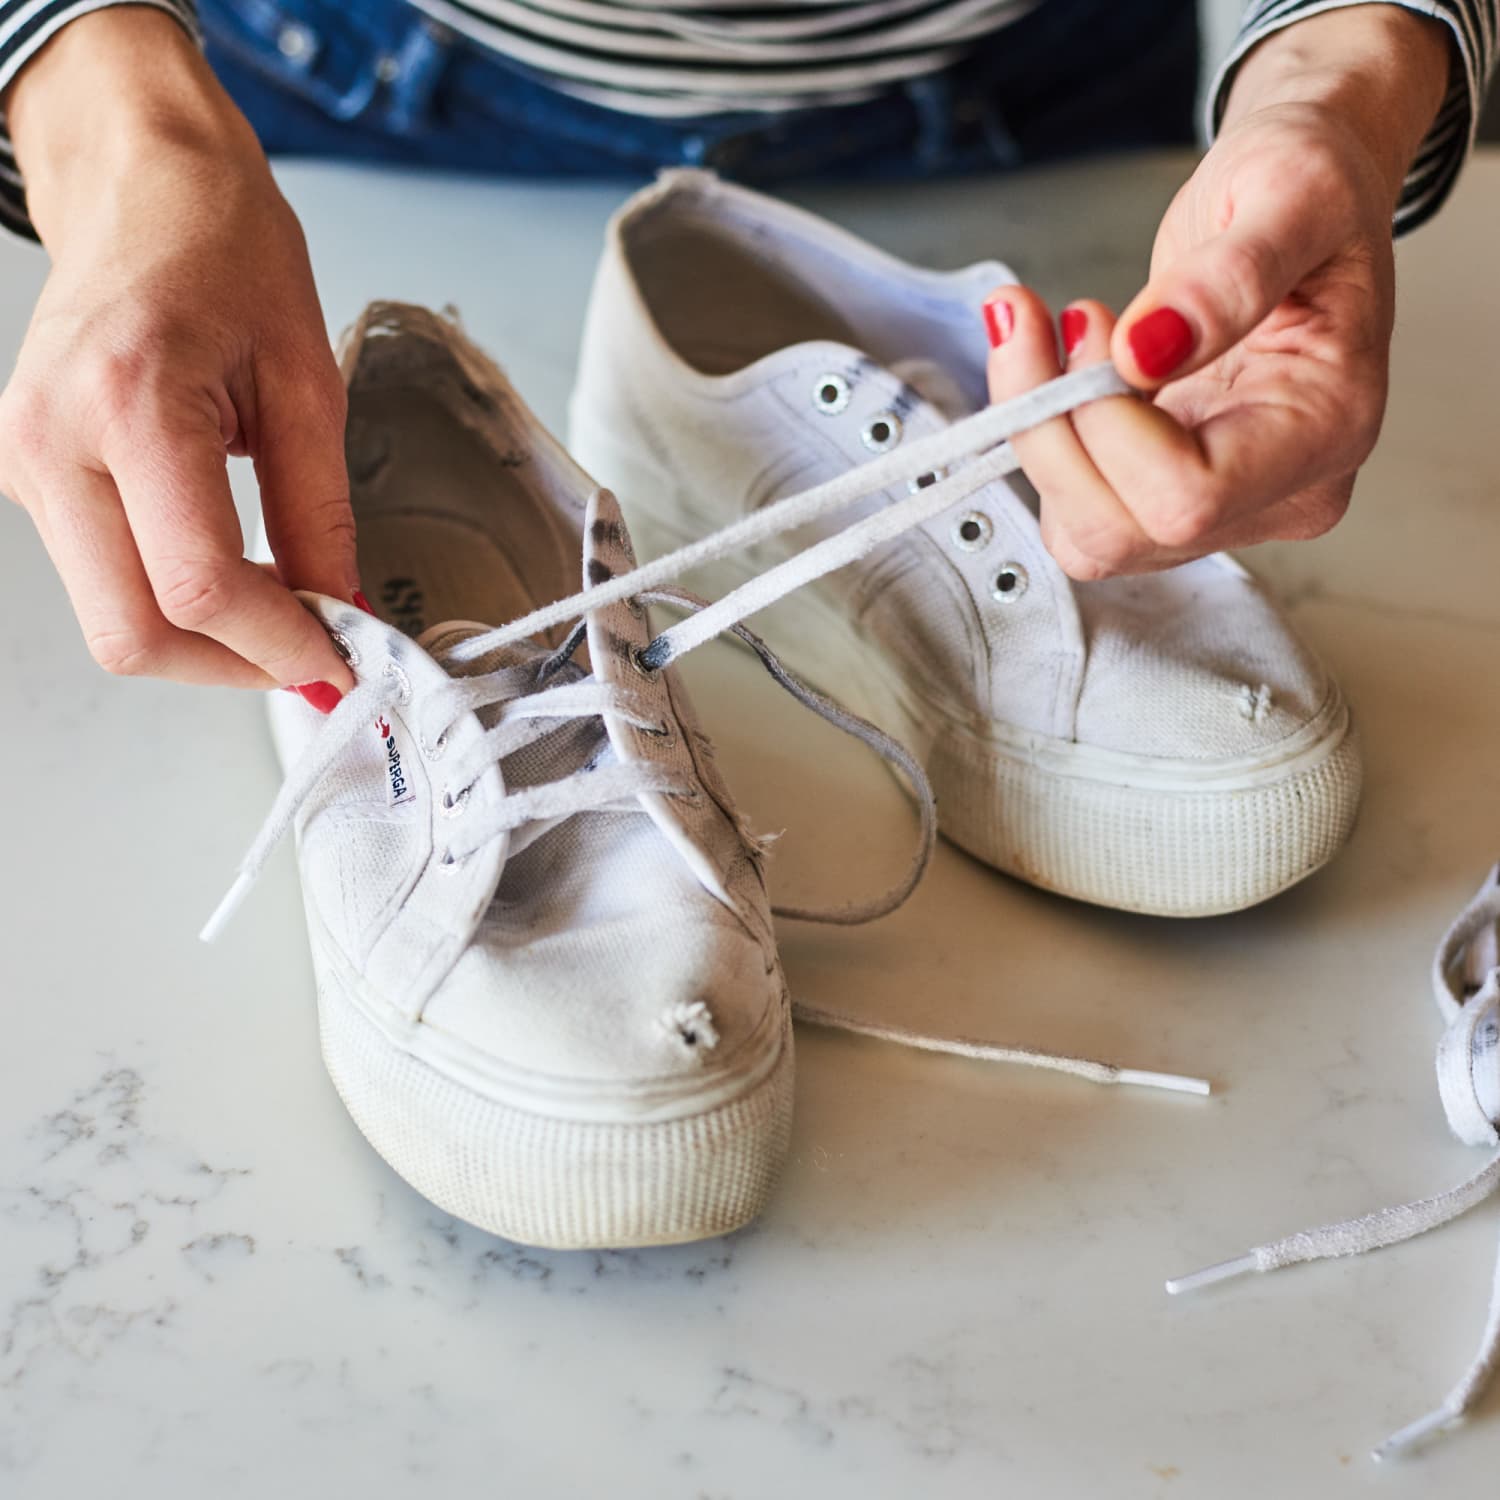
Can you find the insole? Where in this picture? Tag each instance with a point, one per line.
(724, 296)
(722, 307)
(450, 527)
(420, 569)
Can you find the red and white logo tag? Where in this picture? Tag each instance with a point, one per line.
(398, 789)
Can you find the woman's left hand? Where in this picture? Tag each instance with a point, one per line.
(1265, 328)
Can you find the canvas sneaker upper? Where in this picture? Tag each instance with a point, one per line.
(547, 975)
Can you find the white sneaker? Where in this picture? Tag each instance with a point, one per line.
(1162, 744)
(548, 987)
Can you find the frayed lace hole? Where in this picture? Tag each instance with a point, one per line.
(344, 647)
(402, 681)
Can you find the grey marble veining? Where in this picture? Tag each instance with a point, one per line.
(208, 1285)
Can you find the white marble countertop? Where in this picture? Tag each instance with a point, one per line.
(209, 1286)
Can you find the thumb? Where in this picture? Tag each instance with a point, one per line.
(304, 482)
(1206, 301)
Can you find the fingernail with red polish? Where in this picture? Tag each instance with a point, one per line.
(363, 603)
(999, 321)
(1160, 342)
(1074, 323)
(322, 695)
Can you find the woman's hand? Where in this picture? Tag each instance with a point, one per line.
(1265, 327)
(179, 323)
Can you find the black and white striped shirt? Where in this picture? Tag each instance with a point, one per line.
(684, 58)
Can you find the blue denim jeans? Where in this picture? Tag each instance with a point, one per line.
(376, 80)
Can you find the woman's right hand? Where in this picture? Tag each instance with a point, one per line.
(179, 324)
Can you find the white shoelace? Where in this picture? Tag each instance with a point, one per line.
(1466, 983)
(974, 439)
(533, 704)
(530, 709)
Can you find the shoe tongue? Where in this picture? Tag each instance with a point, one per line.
(568, 748)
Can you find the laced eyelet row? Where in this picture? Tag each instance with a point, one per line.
(830, 395)
(973, 532)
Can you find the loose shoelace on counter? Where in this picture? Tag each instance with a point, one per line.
(1466, 983)
(529, 707)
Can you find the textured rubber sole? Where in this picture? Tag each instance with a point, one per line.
(553, 1182)
(1181, 850)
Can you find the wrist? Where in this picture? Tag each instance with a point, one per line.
(116, 95)
(1378, 70)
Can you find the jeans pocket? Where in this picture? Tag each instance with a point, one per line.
(375, 63)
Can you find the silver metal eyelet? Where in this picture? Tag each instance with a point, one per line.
(830, 394)
(972, 532)
(344, 647)
(882, 432)
(1009, 583)
(399, 677)
(649, 673)
(925, 481)
(454, 807)
(661, 730)
(437, 749)
(447, 864)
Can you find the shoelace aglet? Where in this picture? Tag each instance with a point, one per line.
(233, 899)
(1414, 1434)
(1178, 1083)
(1241, 1265)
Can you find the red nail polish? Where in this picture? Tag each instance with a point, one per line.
(322, 695)
(1160, 342)
(1074, 323)
(363, 603)
(999, 321)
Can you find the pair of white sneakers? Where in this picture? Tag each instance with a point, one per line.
(548, 980)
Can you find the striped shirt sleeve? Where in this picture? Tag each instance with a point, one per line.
(25, 27)
(1473, 24)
